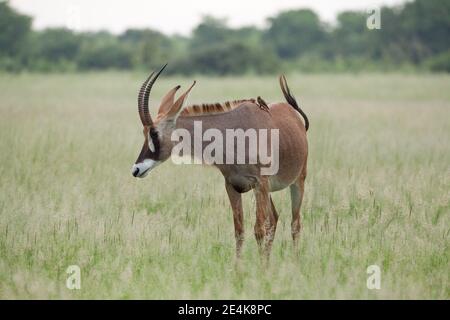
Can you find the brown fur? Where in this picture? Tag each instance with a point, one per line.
(287, 117)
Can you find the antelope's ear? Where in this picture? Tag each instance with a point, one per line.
(167, 102)
(178, 105)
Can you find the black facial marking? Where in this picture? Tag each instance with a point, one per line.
(146, 153)
(154, 136)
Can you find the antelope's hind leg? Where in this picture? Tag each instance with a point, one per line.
(272, 227)
(238, 216)
(266, 218)
(297, 191)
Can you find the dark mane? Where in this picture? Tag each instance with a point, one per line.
(208, 108)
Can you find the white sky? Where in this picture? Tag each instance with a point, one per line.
(171, 16)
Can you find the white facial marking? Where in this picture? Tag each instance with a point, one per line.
(151, 146)
(144, 167)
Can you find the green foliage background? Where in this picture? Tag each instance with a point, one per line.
(413, 36)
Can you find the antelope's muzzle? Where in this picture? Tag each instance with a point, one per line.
(141, 169)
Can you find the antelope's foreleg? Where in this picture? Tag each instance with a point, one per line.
(238, 217)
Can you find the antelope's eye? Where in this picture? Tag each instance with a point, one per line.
(153, 133)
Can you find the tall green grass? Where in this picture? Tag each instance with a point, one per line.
(377, 192)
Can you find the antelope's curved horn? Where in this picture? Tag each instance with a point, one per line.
(143, 98)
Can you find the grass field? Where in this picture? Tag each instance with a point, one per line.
(377, 192)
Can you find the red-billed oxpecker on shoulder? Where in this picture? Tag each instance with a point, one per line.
(286, 118)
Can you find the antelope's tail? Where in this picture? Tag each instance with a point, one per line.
(291, 100)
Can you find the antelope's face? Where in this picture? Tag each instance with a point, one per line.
(157, 143)
(149, 157)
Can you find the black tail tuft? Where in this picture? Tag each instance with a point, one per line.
(291, 100)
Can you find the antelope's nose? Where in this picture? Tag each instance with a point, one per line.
(135, 171)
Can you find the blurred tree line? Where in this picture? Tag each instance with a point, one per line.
(415, 35)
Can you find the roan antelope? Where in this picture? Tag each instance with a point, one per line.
(288, 118)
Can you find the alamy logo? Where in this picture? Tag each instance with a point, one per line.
(229, 146)
(74, 279)
(374, 279)
(374, 19)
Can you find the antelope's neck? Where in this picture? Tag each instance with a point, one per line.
(203, 122)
